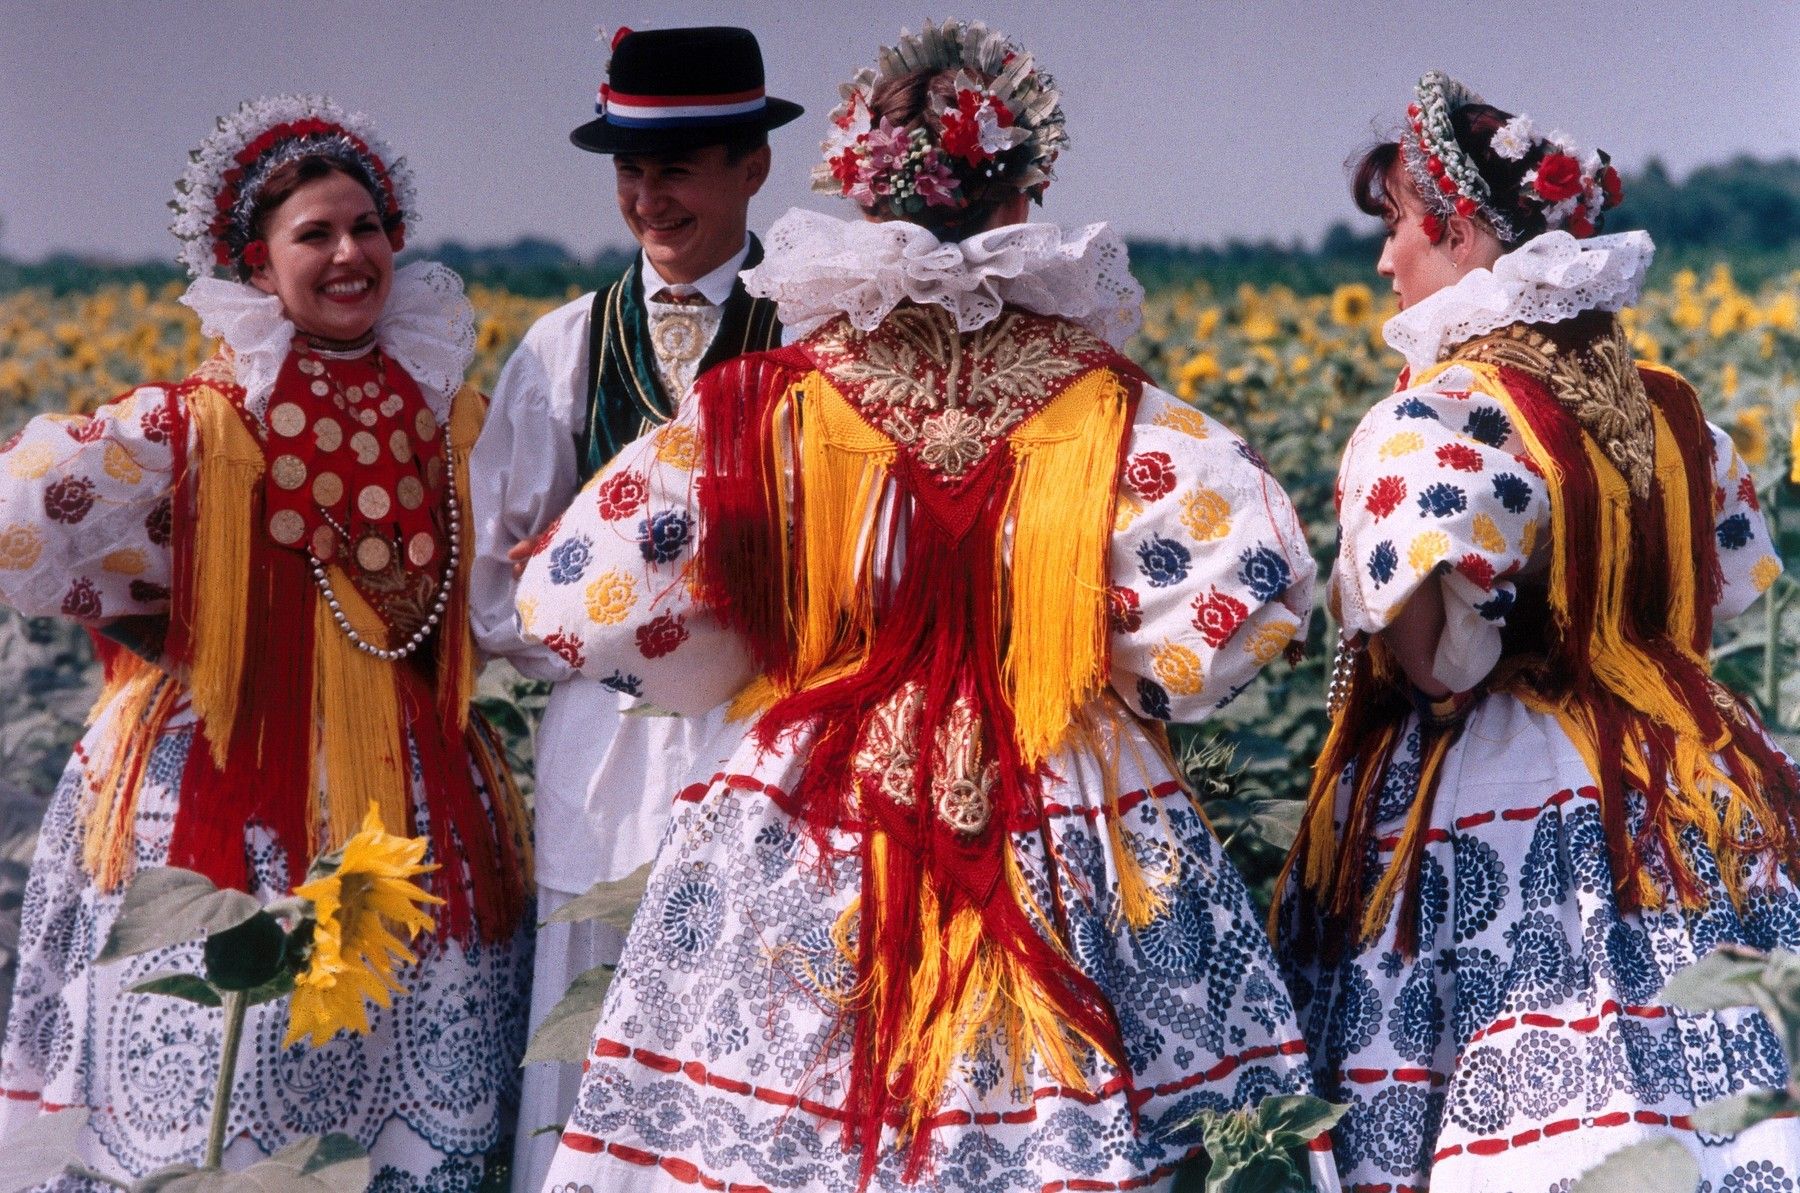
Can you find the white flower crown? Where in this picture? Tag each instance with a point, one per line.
(214, 197)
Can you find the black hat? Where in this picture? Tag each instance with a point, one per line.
(669, 89)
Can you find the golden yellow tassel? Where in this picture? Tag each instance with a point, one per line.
(1062, 515)
(358, 742)
(230, 469)
(141, 697)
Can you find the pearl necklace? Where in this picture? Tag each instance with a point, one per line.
(437, 606)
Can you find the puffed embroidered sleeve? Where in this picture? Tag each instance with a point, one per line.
(85, 509)
(1747, 556)
(1211, 577)
(1436, 483)
(522, 474)
(609, 587)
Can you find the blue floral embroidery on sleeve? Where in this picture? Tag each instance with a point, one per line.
(1264, 572)
(1513, 492)
(1382, 562)
(1154, 700)
(1414, 408)
(629, 685)
(1487, 425)
(1496, 607)
(663, 536)
(1163, 561)
(1734, 531)
(569, 559)
(1442, 500)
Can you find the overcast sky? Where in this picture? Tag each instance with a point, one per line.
(1195, 121)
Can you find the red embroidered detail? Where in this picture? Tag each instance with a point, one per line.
(621, 495)
(1477, 569)
(1217, 616)
(568, 648)
(1150, 475)
(1459, 456)
(1385, 496)
(661, 636)
(1123, 610)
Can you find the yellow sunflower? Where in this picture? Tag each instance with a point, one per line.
(359, 908)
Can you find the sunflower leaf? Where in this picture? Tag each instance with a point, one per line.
(609, 902)
(1728, 1116)
(169, 906)
(40, 1154)
(1659, 1166)
(185, 986)
(568, 1030)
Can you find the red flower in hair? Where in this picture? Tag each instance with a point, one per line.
(397, 237)
(1465, 206)
(256, 254)
(1580, 226)
(1434, 166)
(1433, 225)
(1558, 178)
(1611, 187)
(1447, 184)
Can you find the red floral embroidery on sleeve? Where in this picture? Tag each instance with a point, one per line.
(1459, 456)
(86, 430)
(1217, 616)
(69, 499)
(1150, 475)
(569, 648)
(661, 636)
(1123, 610)
(1385, 496)
(1747, 492)
(622, 495)
(1477, 569)
(82, 599)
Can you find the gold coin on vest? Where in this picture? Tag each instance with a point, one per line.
(328, 434)
(287, 420)
(425, 425)
(410, 492)
(400, 443)
(373, 554)
(288, 472)
(374, 502)
(287, 527)
(324, 543)
(366, 447)
(328, 489)
(420, 548)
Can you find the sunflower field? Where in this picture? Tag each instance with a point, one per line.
(1292, 371)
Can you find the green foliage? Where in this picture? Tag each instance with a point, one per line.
(169, 906)
(1263, 1150)
(568, 1030)
(1656, 1166)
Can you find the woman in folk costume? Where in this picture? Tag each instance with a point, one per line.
(1535, 804)
(947, 918)
(279, 539)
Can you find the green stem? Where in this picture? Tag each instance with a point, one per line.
(1771, 676)
(235, 1006)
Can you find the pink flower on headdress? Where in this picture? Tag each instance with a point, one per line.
(935, 184)
(887, 146)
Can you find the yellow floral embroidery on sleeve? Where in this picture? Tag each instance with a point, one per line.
(1270, 639)
(1401, 443)
(1764, 571)
(1185, 419)
(1178, 668)
(1427, 549)
(20, 546)
(1528, 538)
(1129, 508)
(1206, 515)
(1487, 535)
(677, 447)
(129, 562)
(527, 613)
(611, 597)
(120, 466)
(30, 462)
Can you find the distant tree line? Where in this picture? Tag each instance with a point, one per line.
(1745, 211)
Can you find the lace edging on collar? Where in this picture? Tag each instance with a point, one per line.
(817, 267)
(428, 328)
(1548, 279)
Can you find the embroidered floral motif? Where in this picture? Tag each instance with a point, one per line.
(1151, 475)
(610, 598)
(909, 375)
(886, 761)
(20, 546)
(962, 785)
(1206, 515)
(661, 636)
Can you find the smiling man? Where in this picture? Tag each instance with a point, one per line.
(684, 115)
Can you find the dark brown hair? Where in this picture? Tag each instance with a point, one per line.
(289, 177)
(904, 103)
(1373, 172)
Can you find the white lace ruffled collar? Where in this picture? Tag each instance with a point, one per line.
(428, 329)
(1547, 279)
(817, 267)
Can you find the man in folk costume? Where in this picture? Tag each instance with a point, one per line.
(685, 117)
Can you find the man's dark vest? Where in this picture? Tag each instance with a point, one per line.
(625, 390)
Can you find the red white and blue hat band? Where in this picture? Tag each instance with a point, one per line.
(677, 111)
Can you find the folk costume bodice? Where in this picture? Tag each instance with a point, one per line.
(298, 589)
(1586, 525)
(639, 351)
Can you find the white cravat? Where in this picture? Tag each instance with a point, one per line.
(681, 332)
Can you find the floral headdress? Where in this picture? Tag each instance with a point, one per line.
(1570, 189)
(215, 197)
(1006, 131)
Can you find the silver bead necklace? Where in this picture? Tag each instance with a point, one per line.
(417, 639)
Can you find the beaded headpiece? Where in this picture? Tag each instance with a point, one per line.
(1570, 189)
(215, 197)
(1006, 130)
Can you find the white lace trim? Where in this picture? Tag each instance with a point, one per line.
(427, 328)
(1547, 279)
(818, 267)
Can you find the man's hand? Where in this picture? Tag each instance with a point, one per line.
(520, 552)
